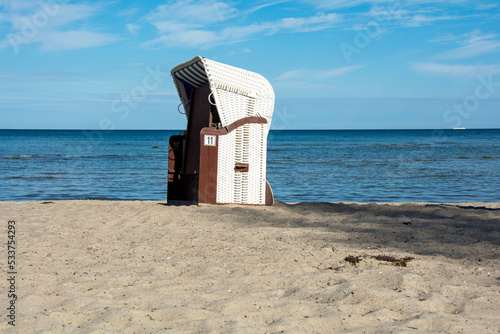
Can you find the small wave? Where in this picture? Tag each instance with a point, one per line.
(401, 145)
(22, 156)
(485, 157)
(33, 178)
(100, 199)
(281, 160)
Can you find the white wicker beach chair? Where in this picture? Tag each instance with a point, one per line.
(221, 157)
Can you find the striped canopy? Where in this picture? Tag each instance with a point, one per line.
(193, 75)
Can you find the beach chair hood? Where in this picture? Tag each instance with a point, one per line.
(236, 92)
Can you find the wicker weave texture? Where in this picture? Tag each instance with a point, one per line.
(246, 144)
(239, 93)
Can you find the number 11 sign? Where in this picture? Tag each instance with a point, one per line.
(209, 140)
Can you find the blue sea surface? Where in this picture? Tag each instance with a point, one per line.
(302, 166)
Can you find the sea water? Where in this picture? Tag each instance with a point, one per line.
(302, 166)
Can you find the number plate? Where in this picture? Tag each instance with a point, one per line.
(210, 140)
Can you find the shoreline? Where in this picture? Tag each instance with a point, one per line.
(487, 204)
(146, 266)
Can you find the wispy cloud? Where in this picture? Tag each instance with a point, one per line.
(419, 20)
(77, 39)
(208, 23)
(337, 4)
(338, 72)
(191, 34)
(472, 50)
(17, 5)
(189, 38)
(486, 6)
(408, 13)
(133, 28)
(128, 12)
(54, 25)
(71, 13)
(28, 79)
(259, 7)
(314, 74)
(472, 44)
(410, 16)
(294, 74)
(190, 11)
(136, 64)
(455, 70)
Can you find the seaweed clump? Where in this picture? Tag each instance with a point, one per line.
(353, 260)
(398, 262)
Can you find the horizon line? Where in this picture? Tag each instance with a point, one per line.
(317, 129)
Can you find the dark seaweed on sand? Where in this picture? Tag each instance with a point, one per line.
(398, 262)
(353, 260)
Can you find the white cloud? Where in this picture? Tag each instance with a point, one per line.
(486, 6)
(294, 74)
(257, 8)
(17, 5)
(28, 79)
(4, 18)
(175, 33)
(463, 39)
(418, 20)
(337, 4)
(175, 27)
(388, 13)
(324, 74)
(48, 23)
(132, 28)
(338, 72)
(474, 49)
(408, 13)
(77, 39)
(409, 16)
(127, 12)
(44, 16)
(71, 13)
(189, 38)
(303, 24)
(306, 24)
(242, 51)
(473, 44)
(190, 11)
(456, 70)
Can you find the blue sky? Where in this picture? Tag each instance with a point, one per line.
(334, 64)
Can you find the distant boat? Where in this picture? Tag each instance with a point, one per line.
(458, 128)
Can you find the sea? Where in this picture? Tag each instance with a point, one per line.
(440, 166)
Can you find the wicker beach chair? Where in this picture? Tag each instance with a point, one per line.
(221, 157)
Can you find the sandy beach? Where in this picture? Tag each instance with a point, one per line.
(149, 267)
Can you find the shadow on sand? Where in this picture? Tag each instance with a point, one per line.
(455, 231)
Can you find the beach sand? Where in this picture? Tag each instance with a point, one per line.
(147, 267)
